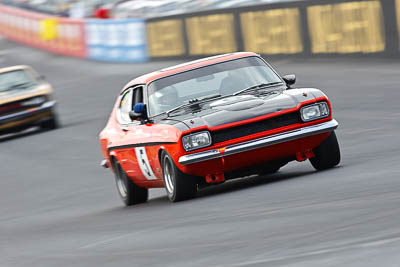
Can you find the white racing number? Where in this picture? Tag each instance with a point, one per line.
(144, 163)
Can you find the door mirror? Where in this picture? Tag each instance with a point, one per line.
(289, 79)
(138, 112)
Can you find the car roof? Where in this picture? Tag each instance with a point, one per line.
(13, 68)
(147, 78)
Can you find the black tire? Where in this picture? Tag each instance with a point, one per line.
(179, 186)
(327, 154)
(129, 192)
(50, 124)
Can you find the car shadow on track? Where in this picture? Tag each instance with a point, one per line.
(237, 184)
(26, 133)
(251, 181)
(23, 134)
(229, 186)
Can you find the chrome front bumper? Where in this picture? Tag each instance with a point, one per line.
(47, 106)
(259, 143)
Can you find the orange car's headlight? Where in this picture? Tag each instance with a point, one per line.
(196, 140)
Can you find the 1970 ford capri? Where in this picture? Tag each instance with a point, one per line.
(210, 120)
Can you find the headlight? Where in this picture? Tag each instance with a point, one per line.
(196, 140)
(34, 101)
(314, 111)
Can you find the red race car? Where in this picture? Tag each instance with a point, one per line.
(209, 120)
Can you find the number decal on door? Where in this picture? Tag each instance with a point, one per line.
(144, 163)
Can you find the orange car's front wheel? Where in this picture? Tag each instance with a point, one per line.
(179, 186)
(327, 154)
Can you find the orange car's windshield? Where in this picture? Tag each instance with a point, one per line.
(222, 79)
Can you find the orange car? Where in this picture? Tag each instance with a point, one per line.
(210, 120)
(25, 100)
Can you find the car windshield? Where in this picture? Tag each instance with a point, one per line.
(17, 79)
(224, 78)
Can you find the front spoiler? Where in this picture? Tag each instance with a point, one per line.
(260, 143)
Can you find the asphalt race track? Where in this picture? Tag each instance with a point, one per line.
(58, 207)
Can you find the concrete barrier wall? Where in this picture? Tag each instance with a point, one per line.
(106, 40)
(116, 40)
(300, 28)
(55, 34)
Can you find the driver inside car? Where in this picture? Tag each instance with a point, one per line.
(232, 83)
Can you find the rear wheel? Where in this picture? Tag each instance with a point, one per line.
(327, 154)
(179, 186)
(129, 192)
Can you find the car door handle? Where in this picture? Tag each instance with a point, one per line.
(125, 129)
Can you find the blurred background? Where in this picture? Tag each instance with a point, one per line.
(60, 208)
(128, 8)
(138, 31)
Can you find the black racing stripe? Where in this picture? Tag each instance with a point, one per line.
(141, 144)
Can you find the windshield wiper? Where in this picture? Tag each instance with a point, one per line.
(261, 85)
(177, 108)
(195, 101)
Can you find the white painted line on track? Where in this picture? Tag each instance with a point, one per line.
(154, 250)
(380, 242)
(375, 243)
(104, 241)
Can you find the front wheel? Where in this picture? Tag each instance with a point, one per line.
(179, 186)
(50, 124)
(327, 154)
(129, 192)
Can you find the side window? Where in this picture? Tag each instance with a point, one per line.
(137, 95)
(125, 106)
(128, 101)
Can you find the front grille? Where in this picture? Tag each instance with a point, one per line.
(255, 127)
